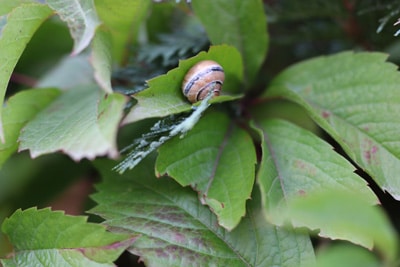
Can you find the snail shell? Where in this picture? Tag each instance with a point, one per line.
(201, 78)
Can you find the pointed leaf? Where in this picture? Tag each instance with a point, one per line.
(82, 123)
(19, 109)
(299, 168)
(164, 95)
(50, 238)
(356, 99)
(239, 23)
(81, 17)
(16, 29)
(176, 230)
(123, 19)
(217, 159)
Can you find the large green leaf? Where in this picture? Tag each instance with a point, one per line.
(356, 99)
(176, 230)
(16, 29)
(47, 238)
(81, 17)
(101, 59)
(122, 18)
(164, 95)
(82, 123)
(305, 181)
(19, 109)
(217, 159)
(8, 5)
(239, 23)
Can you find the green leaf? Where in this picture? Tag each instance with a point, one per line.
(164, 95)
(50, 238)
(18, 29)
(8, 5)
(101, 59)
(342, 215)
(19, 109)
(346, 255)
(217, 159)
(176, 230)
(239, 23)
(302, 179)
(82, 123)
(355, 98)
(81, 17)
(123, 19)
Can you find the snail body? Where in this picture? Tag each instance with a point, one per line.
(203, 77)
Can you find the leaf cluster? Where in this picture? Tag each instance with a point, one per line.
(250, 181)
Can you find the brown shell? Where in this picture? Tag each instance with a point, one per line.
(204, 76)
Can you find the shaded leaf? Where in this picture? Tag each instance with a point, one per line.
(239, 23)
(355, 98)
(81, 17)
(50, 238)
(176, 230)
(16, 31)
(82, 123)
(68, 73)
(19, 109)
(123, 19)
(217, 159)
(164, 95)
(305, 181)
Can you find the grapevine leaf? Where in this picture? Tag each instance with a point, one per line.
(8, 5)
(299, 177)
(17, 29)
(122, 18)
(82, 122)
(81, 18)
(50, 238)
(217, 159)
(241, 24)
(101, 59)
(164, 95)
(19, 109)
(355, 98)
(176, 230)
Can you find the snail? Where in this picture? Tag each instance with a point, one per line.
(204, 76)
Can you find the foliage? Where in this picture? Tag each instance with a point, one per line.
(301, 146)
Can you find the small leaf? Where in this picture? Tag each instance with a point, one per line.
(101, 59)
(18, 28)
(123, 19)
(356, 99)
(19, 109)
(81, 17)
(50, 238)
(305, 181)
(164, 95)
(82, 123)
(239, 23)
(176, 230)
(217, 159)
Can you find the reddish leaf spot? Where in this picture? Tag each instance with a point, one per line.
(302, 193)
(326, 114)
